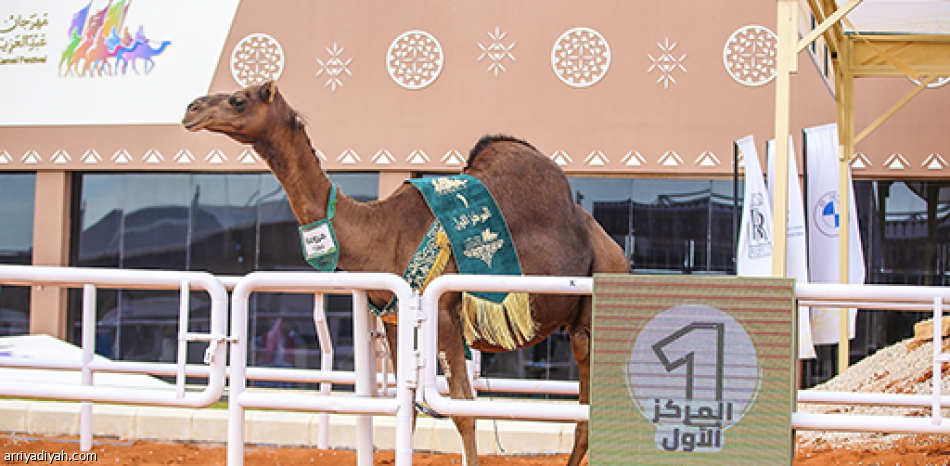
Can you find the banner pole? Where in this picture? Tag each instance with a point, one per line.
(845, 100)
(786, 64)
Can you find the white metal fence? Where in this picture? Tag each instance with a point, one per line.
(92, 279)
(417, 353)
(892, 297)
(363, 402)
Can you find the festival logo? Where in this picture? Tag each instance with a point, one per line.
(102, 44)
(825, 214)
(108, 62)
(23, 38)
(693, 372)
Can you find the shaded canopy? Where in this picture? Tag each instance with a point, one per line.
(869, 38)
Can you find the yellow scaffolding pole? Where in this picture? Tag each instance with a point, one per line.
(854, 56)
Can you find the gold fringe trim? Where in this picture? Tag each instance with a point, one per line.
(438, 266)
(507, 324)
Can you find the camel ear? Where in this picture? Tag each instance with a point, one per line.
(268, 91)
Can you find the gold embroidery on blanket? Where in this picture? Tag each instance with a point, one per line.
(447, 185)
(483, 246)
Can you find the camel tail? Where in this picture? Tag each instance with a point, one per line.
(507, 324)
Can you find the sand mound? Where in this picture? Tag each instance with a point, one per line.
(903, 368)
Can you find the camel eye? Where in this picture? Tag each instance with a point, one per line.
(238, 103)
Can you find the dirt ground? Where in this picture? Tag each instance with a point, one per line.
(918, 450)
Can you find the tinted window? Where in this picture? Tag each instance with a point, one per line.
(226, 224)
(17, 193)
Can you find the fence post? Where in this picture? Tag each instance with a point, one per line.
(89, 325)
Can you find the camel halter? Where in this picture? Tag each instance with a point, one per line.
(318, 240)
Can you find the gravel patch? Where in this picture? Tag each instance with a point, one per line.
(903, 368)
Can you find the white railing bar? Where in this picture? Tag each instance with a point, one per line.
(75, 277)
(868, 398)
(493, 409)
(533, 386)
(867, 423)
(878, 305)
(352, 404)
(892, 297)
(312, 283)
(184, 309)
(937, 379)
(88, 346)
(191, 370)
(326, 363)
(364, 362)
(870, 293)
(887, 296)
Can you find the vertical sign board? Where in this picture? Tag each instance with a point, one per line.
(690, 370)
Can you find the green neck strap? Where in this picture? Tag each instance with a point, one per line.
(331, 203)
(318, 240)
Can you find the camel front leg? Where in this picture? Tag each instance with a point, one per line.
(452, 357)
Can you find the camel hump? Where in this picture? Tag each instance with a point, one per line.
(490, 139)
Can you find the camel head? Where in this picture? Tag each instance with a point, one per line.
(250, 115)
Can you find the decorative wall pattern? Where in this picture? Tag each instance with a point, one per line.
(666, 63)
(256, 59)
(415, 59)
(860, 162)
(497, 52)
(453, 158)
(749, 55)
(939, 82)
(418, 158)
(335, 68)
(599, 116)
(935, 162)
(580, 57)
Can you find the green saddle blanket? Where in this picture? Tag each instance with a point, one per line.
(481, 242)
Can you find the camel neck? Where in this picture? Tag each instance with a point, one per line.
(363, 229)
(294, 163)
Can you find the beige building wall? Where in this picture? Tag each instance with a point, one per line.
(660, 97)
(605, 88)
(51, 221)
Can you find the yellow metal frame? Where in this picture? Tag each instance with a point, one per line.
(854, 55)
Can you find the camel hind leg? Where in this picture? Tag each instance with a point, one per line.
(608, 258)
(460, 388)
(455, 367)
(580, 345)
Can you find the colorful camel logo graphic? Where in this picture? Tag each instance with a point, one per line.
(96, 48)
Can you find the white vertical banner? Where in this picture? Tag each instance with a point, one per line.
(754, 251)
(796, 262)
(821, 145)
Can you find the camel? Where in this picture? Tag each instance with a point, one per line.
(139, 50)
(97, 58)
(552, 234)
(69, 52)
(79, 54)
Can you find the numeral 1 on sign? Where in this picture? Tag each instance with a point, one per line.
(688, 358)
